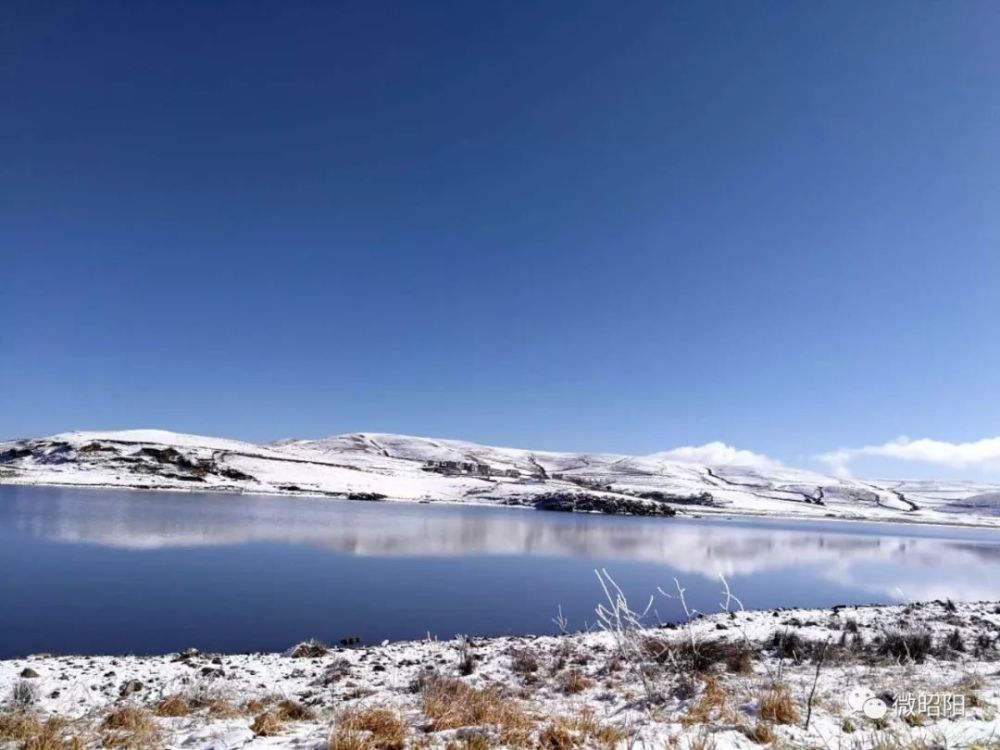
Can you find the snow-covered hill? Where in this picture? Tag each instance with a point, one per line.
(372, 466)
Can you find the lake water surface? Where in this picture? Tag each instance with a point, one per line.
(101, 571)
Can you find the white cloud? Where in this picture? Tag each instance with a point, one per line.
(983, 455)
(718, 452)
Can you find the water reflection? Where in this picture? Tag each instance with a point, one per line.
(100, 571)
(888, 562)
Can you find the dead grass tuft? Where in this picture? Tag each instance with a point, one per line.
(290, 710)
(557, 736)
(346, 739)
(776, 706)
(220, 708)
(383, 728)
(173, 705)
(573, 681)
(19, 725)
(709, 706)
(31, 733)
(583, 729)
(271, 721)
(130, 728)
(54, 736)
(451, 704)
(762, 733)
(267, 724)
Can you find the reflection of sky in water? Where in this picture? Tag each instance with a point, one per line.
(116, 571)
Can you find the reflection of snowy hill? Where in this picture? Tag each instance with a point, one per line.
(374, 466)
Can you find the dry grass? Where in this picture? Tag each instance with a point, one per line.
(762, 733)
(173, 705)
(557, 737)
(53, 736)
(19, 725)
(130, 728)
(267, 724)
(451, 704)
(220, 708)
(581, 730)
(256, 705)
(290, 710)
(574, 681)
(31, 733)
(777, 706)
(272, 721)
(345, 739)
(377, 727)
(709, 707)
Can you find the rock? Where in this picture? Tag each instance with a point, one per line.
(308, 650)
(29, 674)
(129, 688)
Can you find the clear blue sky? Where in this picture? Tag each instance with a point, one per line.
(580, 225)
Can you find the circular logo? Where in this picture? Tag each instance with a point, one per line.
(858, 696)
(875, 708)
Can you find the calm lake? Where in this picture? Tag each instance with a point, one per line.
(100, 571)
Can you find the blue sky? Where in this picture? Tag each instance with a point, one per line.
(577, 225)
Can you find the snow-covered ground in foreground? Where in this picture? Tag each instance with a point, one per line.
(933, 669)
(396, 467)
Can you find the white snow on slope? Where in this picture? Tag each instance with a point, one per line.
(375, 466)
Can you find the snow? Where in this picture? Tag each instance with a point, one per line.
(407, 468)
(84, 689)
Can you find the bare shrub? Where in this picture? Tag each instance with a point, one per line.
(524, 660)
(24, 694)
(906, 646)
(466, 657)
(953, 641)
(735, 656)
(787, 644)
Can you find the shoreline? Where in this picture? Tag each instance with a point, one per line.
(746, 681)
(682, 512)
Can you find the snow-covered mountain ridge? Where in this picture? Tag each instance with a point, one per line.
(374, 466)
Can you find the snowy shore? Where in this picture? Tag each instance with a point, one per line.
(731, 680)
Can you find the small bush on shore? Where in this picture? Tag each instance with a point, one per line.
(524, 661)
(908, 646)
